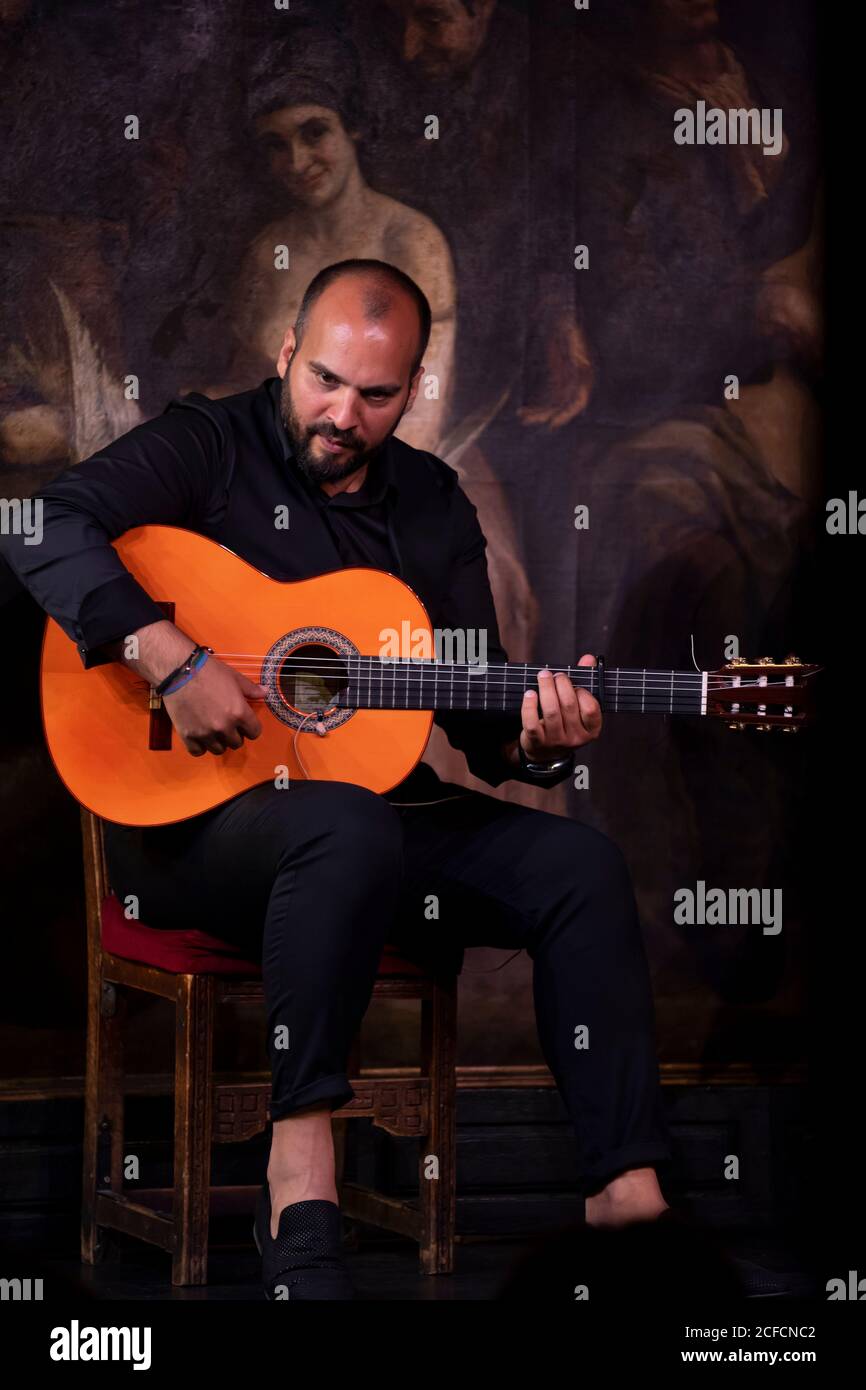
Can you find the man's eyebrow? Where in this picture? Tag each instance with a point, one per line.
(389, 388)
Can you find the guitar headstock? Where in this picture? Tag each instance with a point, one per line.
(763, 694)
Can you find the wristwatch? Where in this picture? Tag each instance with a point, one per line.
(543, 769)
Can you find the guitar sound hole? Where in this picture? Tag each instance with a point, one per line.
(311, 676)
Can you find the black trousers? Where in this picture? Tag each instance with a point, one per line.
(317, 877)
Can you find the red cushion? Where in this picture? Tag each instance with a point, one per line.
(193, 952)
(186, 952)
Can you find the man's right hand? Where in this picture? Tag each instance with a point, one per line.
(210, 711)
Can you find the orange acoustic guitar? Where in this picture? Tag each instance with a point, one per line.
(317, 646)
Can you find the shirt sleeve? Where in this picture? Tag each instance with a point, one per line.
(167, 470)
(469, 607)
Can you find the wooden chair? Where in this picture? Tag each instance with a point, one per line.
(207, 1112)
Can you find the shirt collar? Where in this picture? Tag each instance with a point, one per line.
(381, 473)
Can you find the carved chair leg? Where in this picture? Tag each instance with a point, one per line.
(194, 1021)
(438, 1194)
(103, 1109)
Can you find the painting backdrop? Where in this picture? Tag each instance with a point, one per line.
(622, 324)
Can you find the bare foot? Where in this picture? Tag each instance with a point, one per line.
(631, 1196)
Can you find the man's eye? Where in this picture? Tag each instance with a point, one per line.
(326, 378)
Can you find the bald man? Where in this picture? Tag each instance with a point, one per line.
(317, 878)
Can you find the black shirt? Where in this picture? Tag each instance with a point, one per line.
(357, 521)
(221, 468)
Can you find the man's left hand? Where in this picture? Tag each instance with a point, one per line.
(569, 716)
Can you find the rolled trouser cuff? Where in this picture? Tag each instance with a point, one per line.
(649, 1154)
(335, 1089)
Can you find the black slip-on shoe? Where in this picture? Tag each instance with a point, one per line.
(724, 1276)
(305, 1262)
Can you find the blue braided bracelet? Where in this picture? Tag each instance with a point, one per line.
(196, 667)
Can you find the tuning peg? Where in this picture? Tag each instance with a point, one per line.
(737, 661)
(766, 661)
(792, 660)
(737, 726)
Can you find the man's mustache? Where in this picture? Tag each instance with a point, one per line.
(337, 439)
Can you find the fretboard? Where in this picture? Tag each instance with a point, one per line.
(409, 683)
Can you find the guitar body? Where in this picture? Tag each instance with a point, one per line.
(101, 730)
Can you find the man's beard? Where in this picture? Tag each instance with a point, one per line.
(328, 469)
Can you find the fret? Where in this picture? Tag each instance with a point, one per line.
(468, 683)
(616, 691)
(451, 699)
(672, 692)
(421, 688)
(369, 682)
(484, 706)
(408, 674)
(643, 694)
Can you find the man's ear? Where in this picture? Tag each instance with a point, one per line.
(413, 389)
(286, 351)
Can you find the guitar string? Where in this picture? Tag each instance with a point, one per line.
(463, 686)
(340, 702)
(427, 663)
(466, 670)
(498, 682)
(507, 674)
(616, 706)
(496, 689)
(460, 673)
(434, 661)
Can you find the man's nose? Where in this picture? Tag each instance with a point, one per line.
(343, 412)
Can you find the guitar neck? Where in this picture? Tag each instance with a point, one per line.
(412, 683)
